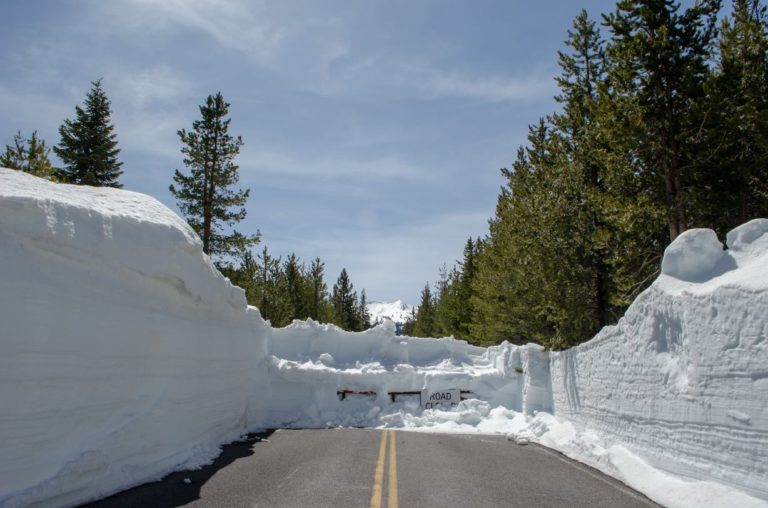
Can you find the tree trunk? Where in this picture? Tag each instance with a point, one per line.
(206, 211)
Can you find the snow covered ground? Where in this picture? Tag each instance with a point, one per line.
(124, 354)
(396, 311)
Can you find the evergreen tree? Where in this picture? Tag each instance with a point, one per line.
(659, 59)
(465, 290)
(734, 186)
(317, 298)
(425, 315)
(364, 317)
(296, 287)
(205, 196)
(288, 290)
(446, 302)
(243, 274)
(454, 292)
(583, 73)
(410, 322)
(511, 299)
(88, 146)
(29, 156)
(272, 296)
(344, 303)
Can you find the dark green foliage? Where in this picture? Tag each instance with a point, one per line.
(88, 146)
(346, 312)
(410, 323)
(206, 196)
(364, 317)
(317, 292)
(734, 184)
(295, 287)
(658, 60)
(454, 296)
(288, 290)
(425, 324)
(28, 155)
(657, 133)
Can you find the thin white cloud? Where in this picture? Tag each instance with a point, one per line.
(148, 87)
(313, 52)
(259, 161)
(494, 89)
(237, 25)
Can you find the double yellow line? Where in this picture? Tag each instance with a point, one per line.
(378, 478)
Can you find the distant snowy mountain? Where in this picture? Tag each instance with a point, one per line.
(396, 311)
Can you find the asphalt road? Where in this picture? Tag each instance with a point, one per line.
(374, 468)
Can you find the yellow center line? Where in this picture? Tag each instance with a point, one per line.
(392, 496)
(378, 478)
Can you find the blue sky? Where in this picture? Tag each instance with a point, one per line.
(374, 131)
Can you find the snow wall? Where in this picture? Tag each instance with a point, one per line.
(124, 355)
(310, 363)
(682, 379)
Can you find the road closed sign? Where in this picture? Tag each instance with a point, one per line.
(440, 399)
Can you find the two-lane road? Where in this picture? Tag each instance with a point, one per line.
(374, 468)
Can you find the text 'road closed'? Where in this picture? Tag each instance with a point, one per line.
(440, 399)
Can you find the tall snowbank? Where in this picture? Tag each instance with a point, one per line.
(310, 363)
(123, 352)
(682, 380)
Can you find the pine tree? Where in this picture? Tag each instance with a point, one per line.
(514, 286)
(734, 186)
(271, 290)
(465, 290)
(446, 302)
(583, 73)
(205, 196)
(29, 156)
(295, 286)
(659, 59)
(425, 315)
(344, 303)
(410, 322)
(364, 316)
(88, 146)
(454, 292)
(317, 297)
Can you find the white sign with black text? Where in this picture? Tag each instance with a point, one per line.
(441, 399)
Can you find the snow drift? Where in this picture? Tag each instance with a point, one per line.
(124, 355)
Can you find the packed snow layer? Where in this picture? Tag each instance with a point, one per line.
(123, 353)
(682, 380)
